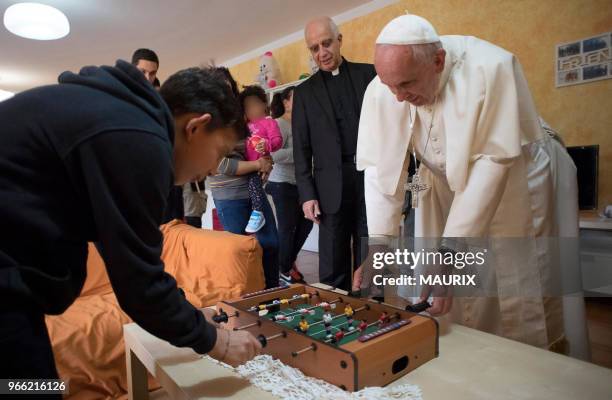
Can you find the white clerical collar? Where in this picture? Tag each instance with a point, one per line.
(336, 72)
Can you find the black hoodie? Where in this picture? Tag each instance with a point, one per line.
(90, 159)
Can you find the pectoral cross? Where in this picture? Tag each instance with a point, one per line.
(415, 186)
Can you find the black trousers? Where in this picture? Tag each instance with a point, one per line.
(343, 235)
(175, 209)
(293, 228)
(25, 348)
(196, 222)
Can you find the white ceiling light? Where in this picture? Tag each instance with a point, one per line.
(36, 21)
(5, 95)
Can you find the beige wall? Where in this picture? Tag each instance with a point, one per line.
(528, 28)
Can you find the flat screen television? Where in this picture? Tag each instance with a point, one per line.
(586, 159)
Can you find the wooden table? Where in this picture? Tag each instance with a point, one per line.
(472, 365)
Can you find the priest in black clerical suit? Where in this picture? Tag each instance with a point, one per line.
(325, 121)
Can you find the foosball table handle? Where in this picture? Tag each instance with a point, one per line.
(359, 294)
(264, 340)
(221, 317)
(419, 307)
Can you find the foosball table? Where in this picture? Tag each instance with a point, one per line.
(349, 342)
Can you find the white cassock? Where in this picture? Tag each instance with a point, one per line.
(491, 172)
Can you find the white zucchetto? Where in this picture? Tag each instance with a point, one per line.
(408, 29)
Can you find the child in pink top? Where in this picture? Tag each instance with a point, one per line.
(265, 137)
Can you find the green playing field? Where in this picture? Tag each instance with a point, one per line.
(318, 331)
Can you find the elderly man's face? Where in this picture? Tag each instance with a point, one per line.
(323, 45)
(414, 81)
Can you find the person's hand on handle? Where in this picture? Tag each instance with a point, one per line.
(312, 211)
(235, 347)
(442, 301)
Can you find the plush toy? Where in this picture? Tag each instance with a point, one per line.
(269, 73)
(253, 140)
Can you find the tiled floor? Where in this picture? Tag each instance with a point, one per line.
(598, 311)
(308, 264)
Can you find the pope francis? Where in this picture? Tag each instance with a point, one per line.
(462, 108)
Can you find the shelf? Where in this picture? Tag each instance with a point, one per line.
(279, 88)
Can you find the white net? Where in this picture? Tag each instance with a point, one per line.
(290, 383)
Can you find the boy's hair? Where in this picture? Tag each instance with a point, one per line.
(225, 72)
(202, 91)
(145, 54)
(252, 91)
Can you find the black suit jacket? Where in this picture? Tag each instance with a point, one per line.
(317, 150)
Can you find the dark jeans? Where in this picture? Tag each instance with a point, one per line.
(293, 228)
(25, 348)
(343, 235)
(234, 216)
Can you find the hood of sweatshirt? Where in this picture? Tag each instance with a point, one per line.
(127, 84)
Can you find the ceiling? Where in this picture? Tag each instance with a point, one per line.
(183, 33)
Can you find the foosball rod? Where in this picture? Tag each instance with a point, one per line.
(394, 316)
(265, 339)
(247, 326)
(341, 315)
(286, 301)
(312, 347)
(265, 291)
(338, 300)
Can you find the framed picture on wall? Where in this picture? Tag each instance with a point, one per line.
(584, 60)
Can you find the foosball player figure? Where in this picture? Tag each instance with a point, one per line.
(348, 310)
(362, 326)
(349, 323)
(328, 331)
(279, 317)
(327, 321)
(306, 311)
(384, 318)
(338, 336)
(324, 305)
(302, 325)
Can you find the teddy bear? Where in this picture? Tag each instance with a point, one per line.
(269, 72)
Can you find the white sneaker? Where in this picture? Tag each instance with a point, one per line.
(256, 222)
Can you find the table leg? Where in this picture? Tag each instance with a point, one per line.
(138, 388)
